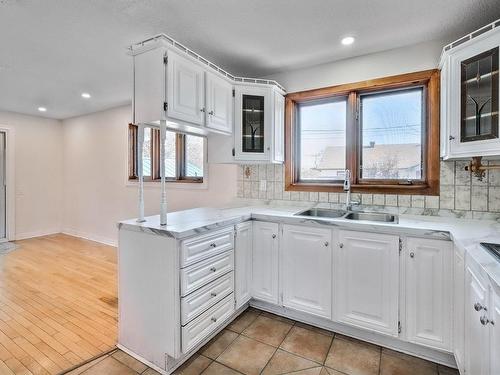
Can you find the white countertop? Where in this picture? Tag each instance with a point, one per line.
(465, 233)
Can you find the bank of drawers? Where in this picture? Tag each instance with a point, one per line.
(206, 283)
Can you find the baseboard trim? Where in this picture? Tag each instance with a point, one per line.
(26, 235)
(91, 237)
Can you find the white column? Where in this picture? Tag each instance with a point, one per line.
(163, 199)
(140, 172)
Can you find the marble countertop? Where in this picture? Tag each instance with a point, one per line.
(465, 233)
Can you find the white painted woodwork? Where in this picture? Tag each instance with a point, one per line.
(203, 272)
(198, 329)
(278, 142)
(429, 292)
(219, 103)
(185, 89)
(458, 306)
(494, 326)
(476, 335)
(451, 145)
(205, 246)
(366, 281)
(200, 300)
(243, 263)
(306, 268)
(265, 259)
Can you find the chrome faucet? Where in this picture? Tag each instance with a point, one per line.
(347, 188)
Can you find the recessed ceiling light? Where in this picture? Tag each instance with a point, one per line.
(85, 95)
(42, 109)
(348, 40)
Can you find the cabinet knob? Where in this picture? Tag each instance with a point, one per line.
(202, 110)
(213, 244)
(341, 245)
(211, 113)
(214, 319)
(479, 307)
(274, 236)
(412, 255)
(326, 243)
(213, 294)
(213, 269)
(484, 320)
(451, 138)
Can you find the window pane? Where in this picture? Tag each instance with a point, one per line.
(146, 153)
(322, 141)
(391, 128)
(170, 163)
(194, 156)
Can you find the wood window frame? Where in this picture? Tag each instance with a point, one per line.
(429, 185)
(180, 157)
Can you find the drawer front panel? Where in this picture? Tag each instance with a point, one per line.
(205, 246)
(198, 329)
(202, 273)
(205, 297)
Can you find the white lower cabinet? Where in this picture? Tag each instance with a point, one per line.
(306, 268)
(494, 322)
(366, 281)
(429, 292)
(265, 262)
(458, 307)
(243, 263)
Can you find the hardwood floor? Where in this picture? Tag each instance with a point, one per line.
(58, 304)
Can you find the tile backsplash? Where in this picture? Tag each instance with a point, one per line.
(461, 195)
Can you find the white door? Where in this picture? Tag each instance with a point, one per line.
(476, 334)
(185, 90)
(429, 292)
(3, 188)
(366, 272)
(243, 263)
(494, 324)
(458, 307)
(278, 141)
(265, 261)
(219, 100)
(306, 265)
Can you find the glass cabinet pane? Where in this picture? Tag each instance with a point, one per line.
(479, 96)
(253, 123)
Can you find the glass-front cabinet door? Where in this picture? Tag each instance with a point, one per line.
(252, 113)
(479, 97)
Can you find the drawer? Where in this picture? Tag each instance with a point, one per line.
(201, 327)
(202, 247)
(199, 274)
(205, 297)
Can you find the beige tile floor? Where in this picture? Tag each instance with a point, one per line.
(261, 343)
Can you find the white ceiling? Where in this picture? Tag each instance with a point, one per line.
(53, 50)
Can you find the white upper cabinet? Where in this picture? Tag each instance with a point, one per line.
(219, 103)
(367, 281)
(429, 292)
(185, 90)
(243, 263)
(306, 266)
(278, 144)
(470, 97)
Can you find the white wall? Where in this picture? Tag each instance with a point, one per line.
(96, 195)
(408, 59)
(38, 173)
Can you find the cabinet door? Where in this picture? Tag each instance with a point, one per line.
(185, 90)
(367, 281)
(243, 263)
(278, 142)
(265, 261)
(252, 123)
(458, 307)
(219, 100)
(476, 334)
(429, 292)
(495, 330)
(306, 264)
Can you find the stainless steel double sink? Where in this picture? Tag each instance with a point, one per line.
(349, 215)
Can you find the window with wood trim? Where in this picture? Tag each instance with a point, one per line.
(184, 156)
(385, 131)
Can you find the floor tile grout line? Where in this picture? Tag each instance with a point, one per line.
(277, 348)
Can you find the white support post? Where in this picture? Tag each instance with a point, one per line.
(163, 199)
(140, 172)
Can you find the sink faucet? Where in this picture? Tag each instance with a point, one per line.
(347, 188)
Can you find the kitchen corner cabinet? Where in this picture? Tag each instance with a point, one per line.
(429, 292)
(265, 259)
(367, 281)
(219, 103)
(306, 268)
(243, 263)
(470, 97)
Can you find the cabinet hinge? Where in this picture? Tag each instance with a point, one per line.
(233, 152)
(400, 245)
(165, 60)
(399, 327)
(234, 93)
(165, 106)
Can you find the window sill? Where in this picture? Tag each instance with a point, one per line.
(171, 185)
(417, 189)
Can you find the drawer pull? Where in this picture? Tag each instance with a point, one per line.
(214, 319)
(213, 294)
(213, 244)
(479, 307)
(484, 320)
(213, 269)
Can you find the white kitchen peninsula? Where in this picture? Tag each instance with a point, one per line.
(181, 284)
